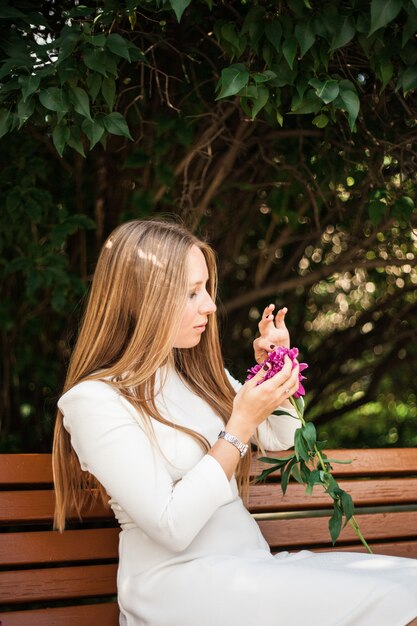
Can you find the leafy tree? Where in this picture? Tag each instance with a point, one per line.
(284, 131)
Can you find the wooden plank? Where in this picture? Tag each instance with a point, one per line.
(268, 496)
(38, 506)
(57, 583)
(20, 469)
(52, 546)
(369, 462)
(36, 468)
(104, 614)
(407, 549)
(314, 531)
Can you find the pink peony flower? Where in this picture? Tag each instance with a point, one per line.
(275, 361)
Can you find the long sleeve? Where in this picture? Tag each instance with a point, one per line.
(277, 431)
(111, 444)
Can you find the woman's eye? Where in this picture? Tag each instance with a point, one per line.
(192, 295)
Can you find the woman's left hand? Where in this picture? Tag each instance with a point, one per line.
(273, 331)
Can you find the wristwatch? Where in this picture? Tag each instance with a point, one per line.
(242, 447)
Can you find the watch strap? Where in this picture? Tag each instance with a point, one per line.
(242, 447)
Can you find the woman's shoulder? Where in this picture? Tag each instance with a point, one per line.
(94, 389)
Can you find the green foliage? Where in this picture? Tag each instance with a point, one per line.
(241, 117)
(310, 466)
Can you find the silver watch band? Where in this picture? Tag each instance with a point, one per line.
(242, 447)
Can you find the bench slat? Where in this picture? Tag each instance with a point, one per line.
(372, 462)
(269, 497)
(57, 583)
(406, 549)
(105, 613)
(26, 506)
(19, 469)
(314, 531)
(38, 506)
(51, 546)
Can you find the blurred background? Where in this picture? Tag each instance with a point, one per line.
(282, 132)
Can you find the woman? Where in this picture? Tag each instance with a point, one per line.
(145, 399)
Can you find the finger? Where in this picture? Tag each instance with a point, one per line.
(265, 345)
(281, 377)
(280, 317)
(259, 376)
(292, 384)
(267, 318)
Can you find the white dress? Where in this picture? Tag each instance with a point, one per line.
(190, 552)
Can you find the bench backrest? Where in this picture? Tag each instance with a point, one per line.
(70, 578)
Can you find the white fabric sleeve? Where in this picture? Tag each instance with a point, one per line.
(112, 446)
(277, 431)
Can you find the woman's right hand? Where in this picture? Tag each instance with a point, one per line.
(254, 403)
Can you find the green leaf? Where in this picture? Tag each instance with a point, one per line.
(286, 473)
(273, 32)
(118, 45)
(98, 40)
(232, 80)
(108, 89)
(7, 12)
(68, 44)
(309, 103)
(93, 83)
(279, 461)
(54, 99)
(335, 523)
(229, 35)
(265, 474)
(347, 505)
(345, 33)
(75, 141)
(60, 137)
(94, 60)
(351, 104)
(250, 91)
(403, 208)
(409, 79)
(263, 77)
(321, 120)
(289, 49)
(410, 26)
(93, 131)
(309, 434)
(25, 110)
(29, 85)
(81, 102)
(386, 70)
(260, 101)
(281, 412)
(326, 91)
(305, 36)
(383, 12)
(116, 124)
(300, 447)
(4, 122)
(179, 7)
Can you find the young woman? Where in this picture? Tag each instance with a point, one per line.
(145, 399)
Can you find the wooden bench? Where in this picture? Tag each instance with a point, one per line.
(49, 579)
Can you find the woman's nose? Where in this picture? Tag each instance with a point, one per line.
(208, 306)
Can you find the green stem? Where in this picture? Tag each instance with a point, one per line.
(352, 521)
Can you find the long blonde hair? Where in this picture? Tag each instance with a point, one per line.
(140, 282)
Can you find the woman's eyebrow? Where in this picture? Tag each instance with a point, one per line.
(198, 282)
